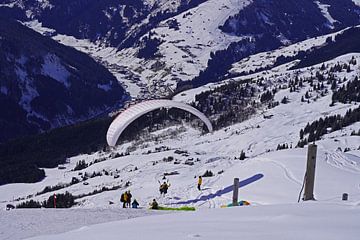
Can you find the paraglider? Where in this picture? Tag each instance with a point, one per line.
(125, 118)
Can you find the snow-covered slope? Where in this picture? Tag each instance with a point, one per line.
(186, 49)
(261, 134)
(305, 221)
(46, 85)
(271, 179)
(188, 40)
(28, 223)
(257, 137)
(268, 60)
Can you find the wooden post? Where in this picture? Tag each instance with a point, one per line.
(310, 173)
(236, 192)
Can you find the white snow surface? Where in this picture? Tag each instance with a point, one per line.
(274, 181)
(53, 68)
(325, 12)
(271, 179)
(290, 221)
(268, 59)
(357, 2)
(27, 223)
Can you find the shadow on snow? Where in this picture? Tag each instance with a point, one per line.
(228, 189)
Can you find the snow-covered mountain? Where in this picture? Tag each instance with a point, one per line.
(163, 43)
(180, 152)
(45, 85)
(115, 23)
(271, 177)
(218, 41)
(272, 76)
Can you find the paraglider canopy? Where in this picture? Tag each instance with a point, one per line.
(123, 120)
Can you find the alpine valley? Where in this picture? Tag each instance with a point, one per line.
(272, 76)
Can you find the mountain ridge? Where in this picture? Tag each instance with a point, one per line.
(46, 83)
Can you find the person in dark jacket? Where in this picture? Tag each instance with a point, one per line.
(134, 204)
(164, 188)
(154, 205)
(128, 200)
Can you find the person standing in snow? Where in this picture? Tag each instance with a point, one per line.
(134, 204)
(163, 188)
(199, 183)
(128, 200)
(123, 199)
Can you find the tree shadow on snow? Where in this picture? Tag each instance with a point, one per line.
(228, 189)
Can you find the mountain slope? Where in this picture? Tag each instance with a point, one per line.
(200, 45)
(271, 24)
(274, 103)
(259, 136)
(183, 43)
(49, 85)
(291, 221)
(117, 23)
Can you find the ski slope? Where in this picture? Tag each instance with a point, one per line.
(258, 137)
(289, 221)
(273, 182)
(283, 170)
(270, 180)
(273, 200)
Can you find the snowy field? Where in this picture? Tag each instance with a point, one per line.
(270, 180)
(290, 221)
(27, 223)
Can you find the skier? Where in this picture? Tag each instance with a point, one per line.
(128, 199)
(199, 183)
(154, 205)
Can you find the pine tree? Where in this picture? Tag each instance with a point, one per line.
(242, 155)
(333, 85)
(348, 69)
